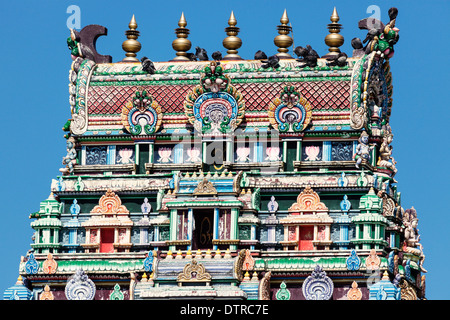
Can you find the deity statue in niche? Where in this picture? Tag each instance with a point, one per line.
(363, 149)
(71, 158)
(412, 237)
(386, 160)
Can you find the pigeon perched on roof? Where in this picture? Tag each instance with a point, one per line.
(217, 55)
(201, 54)
(147, 65)
(307, 55)
(260, 55)
(272, 62)
(339, 60)
(358, 50)
(191, 56)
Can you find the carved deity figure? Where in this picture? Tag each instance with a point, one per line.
(70, 159)
(385, 159)
(412, 236)
(363, 149)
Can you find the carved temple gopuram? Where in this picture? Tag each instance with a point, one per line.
(212, 176)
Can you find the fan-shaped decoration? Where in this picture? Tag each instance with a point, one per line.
(80, 287)
(214, 106)
(142, 115)
(290, 112)
(110, 203)
(308, 200)
(194, 272)
(318, 286)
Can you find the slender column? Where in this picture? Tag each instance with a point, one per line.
(173, 227)
(234, 229)
(216, 226)
(190, 226)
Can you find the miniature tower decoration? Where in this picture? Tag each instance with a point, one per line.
(334, 40)
(283, 41)
(232, 42)
(131, 46)
(181, 45)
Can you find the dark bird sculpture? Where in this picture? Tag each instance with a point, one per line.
(307, 55)
(259, 55)
(339, 60)
(201, 54)
(358, 49)
(191, 56)
(272, 62)
(147, 65)
(217, 55)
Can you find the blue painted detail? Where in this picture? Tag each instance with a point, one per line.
(75, 208)
(342, 181)
(345, 204)
(31, 266)
(353, 261)
(18, 292)
(148, 262)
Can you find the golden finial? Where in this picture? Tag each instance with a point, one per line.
(334, 40)
(232, 42)
(131, 46)
(283, 41)
(181, 45)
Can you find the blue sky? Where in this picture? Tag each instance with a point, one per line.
(34, 81)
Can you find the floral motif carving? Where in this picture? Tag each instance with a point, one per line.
(249, 262)
(283, 293)
(354, 293)
(47, 294)
(373, 261)
(353, 262)
(31, 266)
(205, 187)
(50, 265)
(194, 271)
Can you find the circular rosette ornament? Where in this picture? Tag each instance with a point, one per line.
(142, 115)
(290, 112)
(214, 106)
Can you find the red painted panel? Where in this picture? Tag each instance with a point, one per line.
(107, 240)
(306, 238)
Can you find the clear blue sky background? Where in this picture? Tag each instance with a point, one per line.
(34, 98)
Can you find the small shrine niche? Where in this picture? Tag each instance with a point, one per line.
(109, 228)
(307, 227)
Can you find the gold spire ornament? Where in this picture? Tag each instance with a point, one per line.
(232, 42)
(283, 41)
(181, 45)
(131, 46)
(334, 40)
